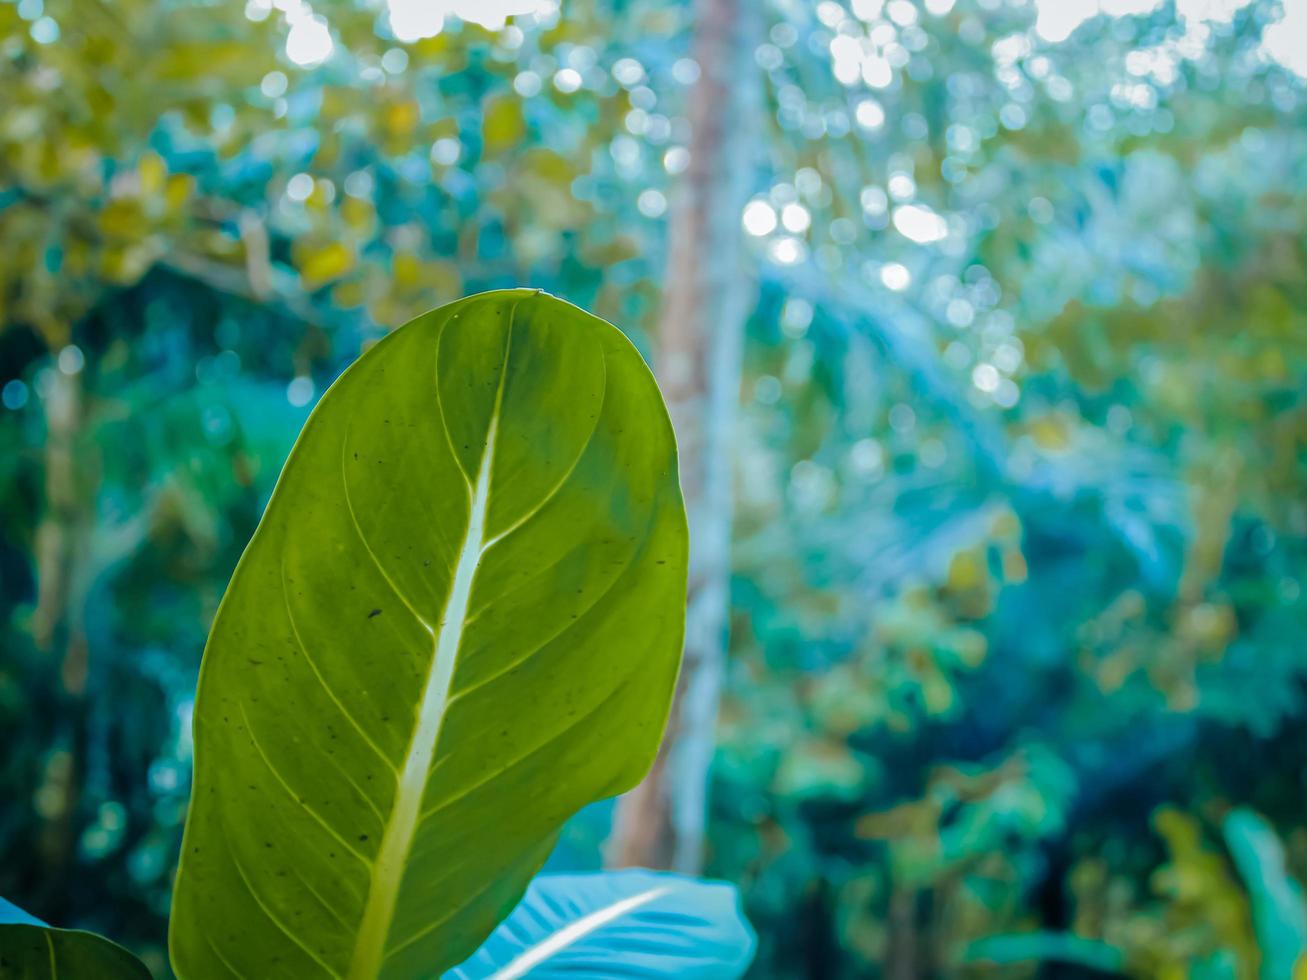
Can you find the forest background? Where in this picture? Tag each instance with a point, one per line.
(985, 329)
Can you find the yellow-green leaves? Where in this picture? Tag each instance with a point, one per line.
(458, 622)
(33, 952)
(503, 126)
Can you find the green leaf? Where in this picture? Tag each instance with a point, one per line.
(459, 621)
(29, 952)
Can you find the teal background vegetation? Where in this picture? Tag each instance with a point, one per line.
(1017, 616)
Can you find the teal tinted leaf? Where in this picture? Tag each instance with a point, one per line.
(34, 952)
(11, 914)
(458, 622)
(618, 925)
(1278, 907)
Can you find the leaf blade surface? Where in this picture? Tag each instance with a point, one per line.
(459, 621)
(37, 952)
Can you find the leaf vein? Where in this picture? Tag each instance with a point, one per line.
(367, 546)
(397, 833)
(254, 740)
(513, 763)
(313, 666)
(440, 405)
(271, 916)
(222, 958)
(431, 927)
(554, 490)
(325, 904)
(563, 631)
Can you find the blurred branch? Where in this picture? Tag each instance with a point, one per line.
(272, 287)
(260, 281)
(258, 263)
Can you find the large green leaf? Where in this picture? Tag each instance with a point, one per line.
(458, 622)
(37, 952)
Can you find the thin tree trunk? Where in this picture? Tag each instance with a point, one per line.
(62, 557)
(661, 822)
(902, 959)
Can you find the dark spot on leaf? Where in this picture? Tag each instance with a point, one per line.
(375, 612)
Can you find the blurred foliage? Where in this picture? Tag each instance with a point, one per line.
(1017, 673)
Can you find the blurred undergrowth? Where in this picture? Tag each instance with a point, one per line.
(1017, 667)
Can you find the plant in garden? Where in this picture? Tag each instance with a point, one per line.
(459, 621)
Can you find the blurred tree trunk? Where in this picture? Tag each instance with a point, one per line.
(706, 300)
(902, 958)
(62, 555)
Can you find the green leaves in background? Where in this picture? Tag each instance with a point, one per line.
(30, 952)
(1044, 503)
(1048, 947)
(459, 621)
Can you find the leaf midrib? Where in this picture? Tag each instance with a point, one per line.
(399, 830)
(573, 932)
